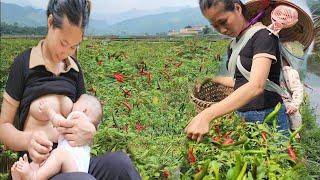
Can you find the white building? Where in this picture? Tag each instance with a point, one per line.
(187, 31)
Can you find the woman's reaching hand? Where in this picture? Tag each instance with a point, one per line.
(39, 146)
(199, 126)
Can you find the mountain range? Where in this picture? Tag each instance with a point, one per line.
(132, 22)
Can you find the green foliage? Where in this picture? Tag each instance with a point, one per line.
(207, 30)
(9, 50)
(15, 29)
(145, 115)
(7, 158)
(311, 140)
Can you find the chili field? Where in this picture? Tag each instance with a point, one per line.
(145, 87)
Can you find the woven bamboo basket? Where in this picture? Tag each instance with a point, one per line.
(207, 93)
(317, 34)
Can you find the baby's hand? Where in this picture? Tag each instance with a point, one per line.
(43, 106)
(57, 120)
(291, 110)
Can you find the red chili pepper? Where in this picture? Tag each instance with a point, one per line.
(217, 130)
(228, 140)
(179, 64)
(191, 157)
(125, 128)
(166, 173)
(227, 135)
(139, 127)
(119, 77)
(149, 77)
(142, 72)
(264, 135)
(127, 105)
(90, 46)
(216, 139)
(99, 62)
(291, 152)
(126, 92)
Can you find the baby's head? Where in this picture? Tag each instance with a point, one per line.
(89, 105)
(283, 17)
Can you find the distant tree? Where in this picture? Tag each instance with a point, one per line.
(207, 30)
(15, 29)
(161, 34)
(188, 27)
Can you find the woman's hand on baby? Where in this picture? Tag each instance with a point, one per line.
(39, 146)
(79, 131)
(198, 126)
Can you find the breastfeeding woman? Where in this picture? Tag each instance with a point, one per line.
(47, 69)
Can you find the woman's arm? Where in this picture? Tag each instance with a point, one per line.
(36, 143)
(14, 139)
(224, 80)
(243, 95)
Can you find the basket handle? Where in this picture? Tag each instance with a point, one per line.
(199, 83)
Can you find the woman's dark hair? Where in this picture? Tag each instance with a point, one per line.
(77, 12)
(228, 5)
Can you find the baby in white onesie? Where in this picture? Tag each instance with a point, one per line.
(64, 158)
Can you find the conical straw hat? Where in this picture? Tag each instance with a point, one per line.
(302, 31)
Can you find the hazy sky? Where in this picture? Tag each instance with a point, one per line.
(115, 6)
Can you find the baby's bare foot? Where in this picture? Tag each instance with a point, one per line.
(14, 173)
(24, 169)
